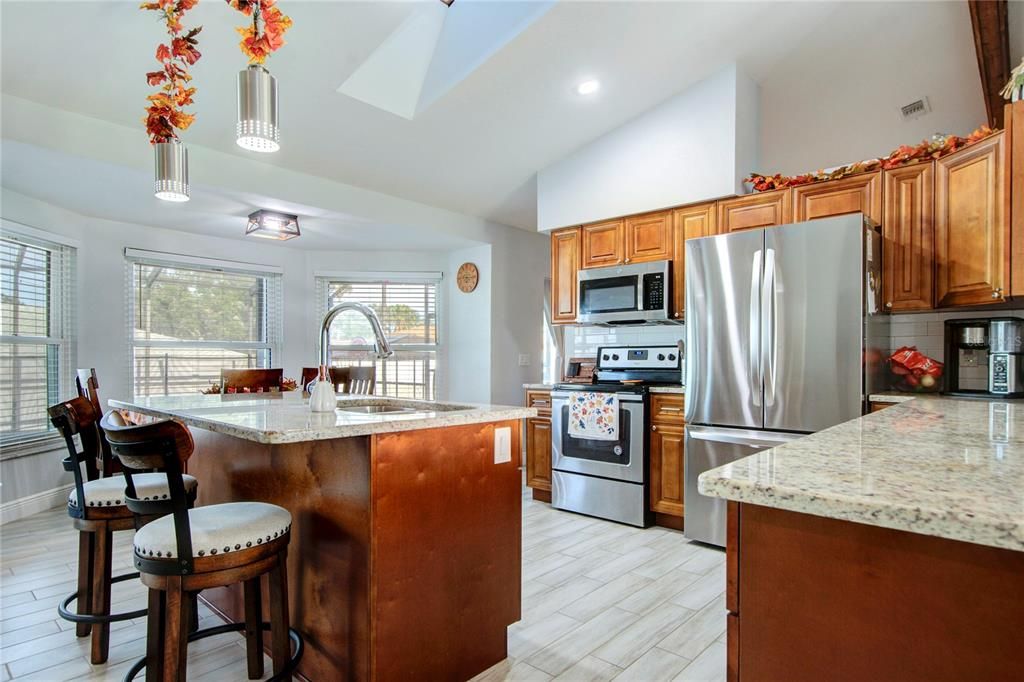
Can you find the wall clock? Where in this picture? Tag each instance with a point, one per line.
(468, 277)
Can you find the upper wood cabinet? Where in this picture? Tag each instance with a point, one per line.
(971, 225)
(688, 223)
(856, 194)
(603, 244)
(908, 233)
(751, 211)
(565, 263)
(648, 237)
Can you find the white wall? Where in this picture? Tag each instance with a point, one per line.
(844, 106)
(468, 339)
(683, 150)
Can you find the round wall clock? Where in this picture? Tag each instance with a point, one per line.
(468, 277)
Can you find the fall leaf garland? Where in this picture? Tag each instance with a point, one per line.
(266, 34)
(902, 155)
(165, 114)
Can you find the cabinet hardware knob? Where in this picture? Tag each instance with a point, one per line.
(997, 293)
(888, 304)
(679, 314)
(654, 427)
(627, 260)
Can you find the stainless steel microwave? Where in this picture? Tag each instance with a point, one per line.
(624, 294)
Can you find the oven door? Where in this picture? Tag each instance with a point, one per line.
(621, 460)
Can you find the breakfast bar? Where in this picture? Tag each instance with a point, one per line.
(404, 561)
(887, 547)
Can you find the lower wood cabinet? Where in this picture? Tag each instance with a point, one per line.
(538, 442)
(666, 455)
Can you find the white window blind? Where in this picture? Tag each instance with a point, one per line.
(187, 322)
(37, 332)
(407, 307)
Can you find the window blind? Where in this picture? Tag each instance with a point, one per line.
(407, 308)
(187, 323)
(37, 332)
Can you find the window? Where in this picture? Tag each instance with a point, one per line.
(407, 307)
(37, 353)
(190, 319)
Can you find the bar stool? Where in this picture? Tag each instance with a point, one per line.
(186, 550)
(97, 507)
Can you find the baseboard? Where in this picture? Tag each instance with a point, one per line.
(33, 504)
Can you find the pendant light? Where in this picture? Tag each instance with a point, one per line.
(257, 110)
(272, 225)
(171, 171)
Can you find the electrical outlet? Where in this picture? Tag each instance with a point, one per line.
(524, 360)
(502, 445)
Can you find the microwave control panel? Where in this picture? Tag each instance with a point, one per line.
(654, 291)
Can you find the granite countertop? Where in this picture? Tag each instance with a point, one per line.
(285, 417)
(539, 387)
(898, 397)
(948, 468)
(669, 389)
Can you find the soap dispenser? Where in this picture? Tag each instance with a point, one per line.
(322, 398)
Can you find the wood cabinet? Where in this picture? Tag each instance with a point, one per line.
(603, 244)
(648, 237)
(878, 407)
(856, 194)
(971, 225)
(565, 263)
(690, 222)
(538, 444)
(666, 454)
(908, 233)
(751, 211)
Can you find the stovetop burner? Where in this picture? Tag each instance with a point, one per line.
(642, 366)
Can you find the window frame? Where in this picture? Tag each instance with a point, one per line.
(62, 331)
(323, 281)
(272, 315)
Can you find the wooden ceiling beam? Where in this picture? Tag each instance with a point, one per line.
(992, 44)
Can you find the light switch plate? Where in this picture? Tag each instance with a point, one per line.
(502, 445)
(524, 360)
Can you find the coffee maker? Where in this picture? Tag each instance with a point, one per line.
(985, 357)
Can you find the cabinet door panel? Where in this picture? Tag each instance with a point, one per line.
(751, 211)
(666, 463)
(908, 229)
(971, 226)
(648, 237)
(602, 244)
(857, 194)
(690, 222)
(565, 262)
(538, 453)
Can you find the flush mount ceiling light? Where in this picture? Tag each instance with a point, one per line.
(272, 225)
(588, 87)
(257, 110)
(171, 171)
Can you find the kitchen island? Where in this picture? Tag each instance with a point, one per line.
(404, 560)
(888, 547)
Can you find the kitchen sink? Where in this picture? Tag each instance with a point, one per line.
(376, 409)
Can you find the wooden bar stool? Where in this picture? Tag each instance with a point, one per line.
(97, 506)
(187, 550)
(250, 380)
(351, 380)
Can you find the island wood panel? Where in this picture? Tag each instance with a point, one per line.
(446, 562)
(565, 263)
(421, 587)
(648, 237)
(908, 231)
(751, 211)
(860, 193)
(690, 222)
(971, 225)
(603, 244)
(823, 599)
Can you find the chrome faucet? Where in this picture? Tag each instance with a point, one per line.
(380, 345)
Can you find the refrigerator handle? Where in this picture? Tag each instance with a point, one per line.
(769, 326)
(753, 343)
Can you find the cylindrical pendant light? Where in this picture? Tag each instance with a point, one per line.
(171, 171)
(257, 110)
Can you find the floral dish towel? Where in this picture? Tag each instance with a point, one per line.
(594, 416)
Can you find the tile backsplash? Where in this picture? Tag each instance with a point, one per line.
(584, 341)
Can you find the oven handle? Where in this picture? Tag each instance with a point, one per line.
(623, 397)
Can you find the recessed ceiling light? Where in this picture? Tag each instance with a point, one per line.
(588, 87)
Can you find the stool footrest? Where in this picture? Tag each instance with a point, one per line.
(289, 668)
(63, 612)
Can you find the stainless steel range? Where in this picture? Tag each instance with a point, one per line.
(608, 478)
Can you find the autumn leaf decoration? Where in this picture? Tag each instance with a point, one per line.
(904, 154)
(266, 34)
(165, 115)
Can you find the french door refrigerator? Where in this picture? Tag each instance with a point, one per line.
(784, 337)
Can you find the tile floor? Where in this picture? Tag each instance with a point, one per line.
(601, 601)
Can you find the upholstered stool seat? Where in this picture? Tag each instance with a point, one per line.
(109, 492)
(216, 530)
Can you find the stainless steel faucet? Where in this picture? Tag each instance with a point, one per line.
(381, 345)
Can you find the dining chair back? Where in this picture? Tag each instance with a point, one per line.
(250, 380)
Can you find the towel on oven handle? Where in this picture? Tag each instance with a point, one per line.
(594, 416)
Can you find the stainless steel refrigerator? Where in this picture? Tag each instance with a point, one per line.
(784, 337)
